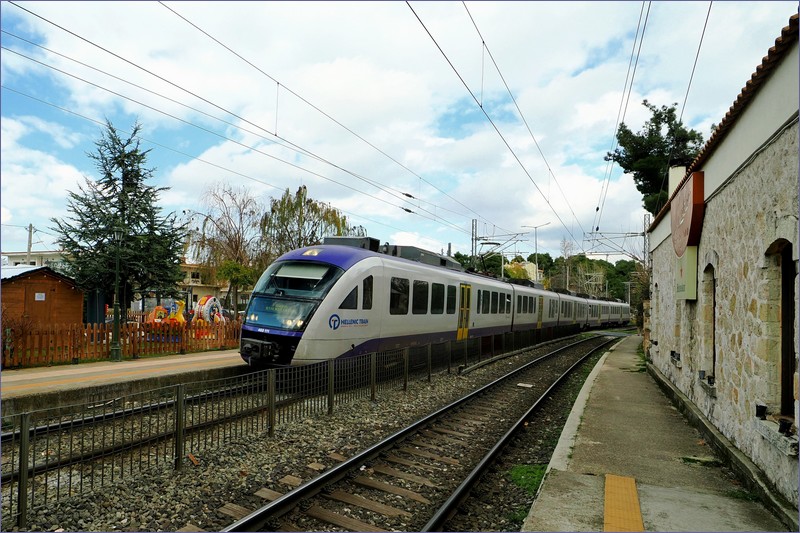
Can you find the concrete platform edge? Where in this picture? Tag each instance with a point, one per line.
(560, 458)
(65, 399)
(745, 469)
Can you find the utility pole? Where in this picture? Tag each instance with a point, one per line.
(30, 244)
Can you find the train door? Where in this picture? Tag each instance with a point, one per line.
(463, 312)
(540, 311)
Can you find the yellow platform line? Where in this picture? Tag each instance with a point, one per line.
(621, 510)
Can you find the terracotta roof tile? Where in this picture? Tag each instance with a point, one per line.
(783, 44)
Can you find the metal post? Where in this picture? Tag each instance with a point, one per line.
(373, 375)
(271, 400)
(180, 424)
(536, 246)
(406, 353)
(429, 362)
(22, 484)
(330, 386)
(116, 354)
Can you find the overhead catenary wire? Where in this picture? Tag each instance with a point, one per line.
(305, 152)
(432, 217)
(316, 108)
(179, 152)
(685, 99)
(302, 152)
(497, 130)
(521, 115)
(627, 90)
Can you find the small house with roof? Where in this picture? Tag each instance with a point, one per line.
(40, 295)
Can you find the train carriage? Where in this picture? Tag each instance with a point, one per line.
(329, 301)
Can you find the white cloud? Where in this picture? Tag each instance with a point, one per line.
(374, 68)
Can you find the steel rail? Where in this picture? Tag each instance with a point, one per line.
(142, 442)
(446, 511)
(10, 436)
(258, 519)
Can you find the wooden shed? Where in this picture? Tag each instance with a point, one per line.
(41, 295)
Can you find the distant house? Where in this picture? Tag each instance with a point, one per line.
(41, 295)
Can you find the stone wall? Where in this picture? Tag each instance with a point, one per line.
(733, 328)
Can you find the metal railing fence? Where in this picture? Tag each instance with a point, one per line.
(56, 453)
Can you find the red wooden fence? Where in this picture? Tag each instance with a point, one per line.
(39, 345)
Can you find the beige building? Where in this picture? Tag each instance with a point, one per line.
(724, 282)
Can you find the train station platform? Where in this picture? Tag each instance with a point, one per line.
(30, 389)
(629, 460)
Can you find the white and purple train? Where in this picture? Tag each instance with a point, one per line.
(349, 298)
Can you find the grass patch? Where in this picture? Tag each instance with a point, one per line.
(641, 364)
(519, 516)
(742, 494)
(528, 477)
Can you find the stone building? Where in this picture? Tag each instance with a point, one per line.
(724, 252)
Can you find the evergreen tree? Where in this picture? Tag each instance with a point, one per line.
(663, 142)
(151, 246)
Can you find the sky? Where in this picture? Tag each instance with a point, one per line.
(414, 119)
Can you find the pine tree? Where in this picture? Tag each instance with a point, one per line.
(152, 244)
(663, 142)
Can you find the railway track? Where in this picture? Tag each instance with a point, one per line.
(417, 478)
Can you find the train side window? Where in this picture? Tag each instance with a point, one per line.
(351, 300)
(486, 302)
(519, 303)
(479, 302)
(366, 302)
(437, 299)
(494, 303)
(502, 307)
(419, 303)
(398, 299)
(451, 299)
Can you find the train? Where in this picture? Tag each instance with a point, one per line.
(352, 296)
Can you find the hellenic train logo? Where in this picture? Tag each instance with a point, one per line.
(334, 322)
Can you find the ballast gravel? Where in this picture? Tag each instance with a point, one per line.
(167, 500)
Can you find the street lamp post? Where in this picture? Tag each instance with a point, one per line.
(536, 246)
(116, 352)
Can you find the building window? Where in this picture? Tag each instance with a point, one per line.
(709, 322)
(780, 319)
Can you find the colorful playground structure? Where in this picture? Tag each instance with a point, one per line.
(208, 311)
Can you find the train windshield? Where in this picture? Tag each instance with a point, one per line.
(288, 292)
